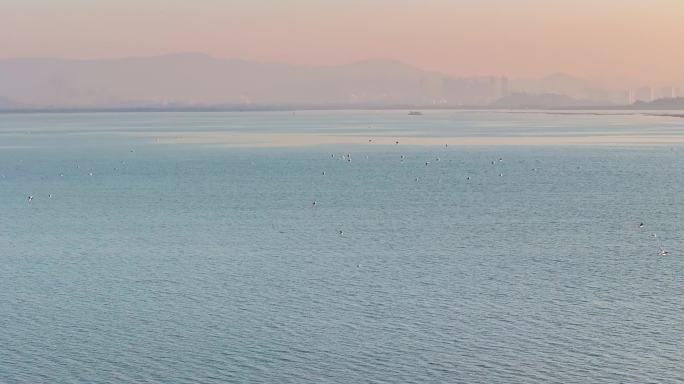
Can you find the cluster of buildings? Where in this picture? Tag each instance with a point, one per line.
(648, 94)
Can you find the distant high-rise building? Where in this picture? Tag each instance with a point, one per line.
(667, 92)
(504, 86)
(630, 96)
(644, 94)
(493, 88)
(498, 87)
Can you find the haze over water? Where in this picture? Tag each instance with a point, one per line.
(184, 247)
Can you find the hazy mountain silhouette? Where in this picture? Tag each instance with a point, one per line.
(664, 103)
(9, 104)
(192, 79)
(196, 79)
(572, 86)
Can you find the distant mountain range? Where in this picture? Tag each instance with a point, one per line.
(579, 89)
(9, 104)
(665, 103)
(200, 81)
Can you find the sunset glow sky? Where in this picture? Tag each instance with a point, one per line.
(639, 39)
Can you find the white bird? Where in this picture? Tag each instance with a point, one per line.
(29, 198)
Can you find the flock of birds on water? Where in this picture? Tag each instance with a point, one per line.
(661, 250)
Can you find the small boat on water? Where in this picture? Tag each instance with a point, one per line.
(415, 113)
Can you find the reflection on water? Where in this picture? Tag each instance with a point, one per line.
(313, 128)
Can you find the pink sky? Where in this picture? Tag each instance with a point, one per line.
(641, 39)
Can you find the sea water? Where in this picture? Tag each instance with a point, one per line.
(147, 256)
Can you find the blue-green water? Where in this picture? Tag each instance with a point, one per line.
(178, 263)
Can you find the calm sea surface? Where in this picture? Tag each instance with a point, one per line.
(149, 255)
